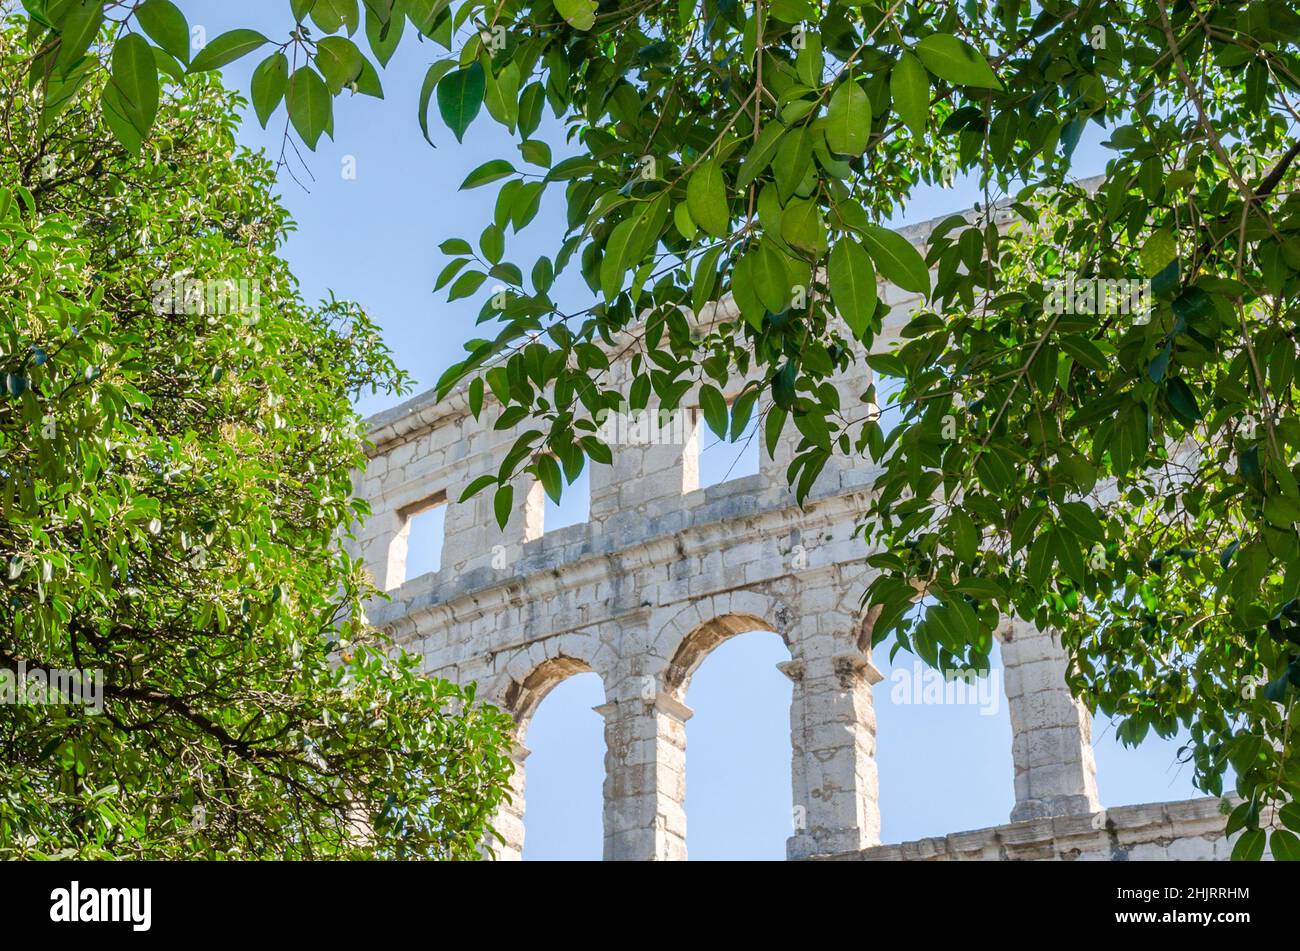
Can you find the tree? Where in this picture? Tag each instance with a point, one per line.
(176, 445)
(1129, 482)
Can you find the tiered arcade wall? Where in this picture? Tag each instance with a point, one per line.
(661, 573)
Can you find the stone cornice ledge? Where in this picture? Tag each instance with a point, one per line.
(1111, 831)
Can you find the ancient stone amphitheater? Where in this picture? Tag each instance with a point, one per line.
(660, 574)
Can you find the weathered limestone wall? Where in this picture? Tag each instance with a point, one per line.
(660, 574)
(1191, 830)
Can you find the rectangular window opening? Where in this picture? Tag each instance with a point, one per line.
(574, 507)
(721, 460)
(417, 549)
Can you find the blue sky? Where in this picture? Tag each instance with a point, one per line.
(374, 239)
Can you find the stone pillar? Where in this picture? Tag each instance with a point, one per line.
(382, 546)
(509, 820)
(838, 471)
(645, 778)
(1051, 731)
(471, 537)
(833, 740)
(646, 479)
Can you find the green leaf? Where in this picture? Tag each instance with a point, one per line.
(714, 408)
(742, 411)
(270, 80)
(771, 278)
(449, 272)
(745, 286)
(168, 64)
(166, 26)
(1182, 400)
(1080, 519)
(792, 11)
(1284, 845)
(982, 589)
(1250, 847)
(135, 75)
(502, 95)
(783, 386)
(548, 470)
(853, 284)
(1085, 352)
(1157, 252)
(776, 417)
(477, 486)
(227, 48)
(330, 15)
(460, 96)
(117, 117)
(793, 162)
(78, 27)
(802, 226)
(490, 171)
(466, 284)
(956, 61)
(435, 73)
(760, 154)
(425, 14)
(706, 197)
(965, 536)
(502, 504)
(1159, 363)
(1069, 554)
(848, 119)
(537, 152)
(367, 83)
(580, 14)
(909, 86)
(897, 260)
(1290, 816)
(994, 473)
(339, 61)
(1040, 560)
(310, 105)
(476, 396)
(614, 264)
(384, 35)
(597, 450)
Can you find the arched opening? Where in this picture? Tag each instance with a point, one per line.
(564, 768)
(738, 793)
(738, 789)
(1152, 771)
(943, 748)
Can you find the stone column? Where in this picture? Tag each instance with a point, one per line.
(839, 470)
(471, 537)
(833, 740)
(646, 479)
(509, 820)
(382, 545)
(1051, 731)
(645, 778)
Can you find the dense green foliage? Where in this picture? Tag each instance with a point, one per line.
(176, 491)
(1129, 482)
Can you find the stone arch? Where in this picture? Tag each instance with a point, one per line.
(523, 697)
(527, 675)
(853, 617)
(688, 637)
